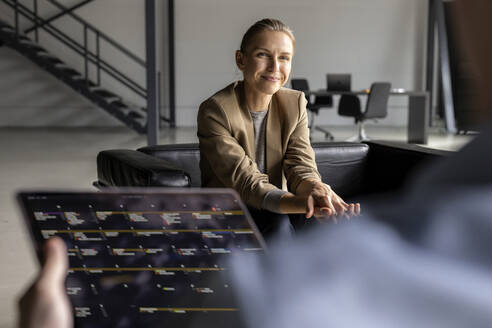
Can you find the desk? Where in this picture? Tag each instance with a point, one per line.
(418, 110)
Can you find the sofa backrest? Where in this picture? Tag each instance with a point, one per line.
(341, 164)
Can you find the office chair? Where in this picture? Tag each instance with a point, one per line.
(314, 107)
(376, 107)
(342, 82)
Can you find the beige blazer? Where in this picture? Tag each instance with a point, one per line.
(227, 149)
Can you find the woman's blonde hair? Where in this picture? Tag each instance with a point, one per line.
(266, 24)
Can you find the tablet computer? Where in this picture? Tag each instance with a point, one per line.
(147, 258)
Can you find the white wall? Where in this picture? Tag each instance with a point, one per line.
(374, 40)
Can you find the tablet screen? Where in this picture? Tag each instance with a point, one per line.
(147, 258)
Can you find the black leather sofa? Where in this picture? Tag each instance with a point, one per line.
(352, 169)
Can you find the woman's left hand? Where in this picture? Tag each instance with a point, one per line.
(324, 204)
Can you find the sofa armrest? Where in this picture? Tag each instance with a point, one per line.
(130, 168)
(390, 164)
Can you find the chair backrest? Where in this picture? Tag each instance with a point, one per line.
(349, 105)
(377, 101)
(300, 85)
(338, 82)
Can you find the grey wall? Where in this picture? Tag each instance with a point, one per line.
(374, 40)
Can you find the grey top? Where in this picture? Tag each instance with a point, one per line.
(271, 201)
(259, 123)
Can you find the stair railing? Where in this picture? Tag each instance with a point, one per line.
(83, 49)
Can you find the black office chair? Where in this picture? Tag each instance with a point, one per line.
(314, 107)
(376, 107)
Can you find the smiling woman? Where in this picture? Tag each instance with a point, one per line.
(266, 64)
(254, 137)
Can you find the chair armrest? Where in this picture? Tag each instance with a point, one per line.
(125, 168)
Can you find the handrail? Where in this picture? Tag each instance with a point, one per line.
(102, 34)
(52, 18)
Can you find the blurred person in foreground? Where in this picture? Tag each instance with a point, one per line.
(429, 268)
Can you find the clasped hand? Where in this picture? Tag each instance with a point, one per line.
(324, 204)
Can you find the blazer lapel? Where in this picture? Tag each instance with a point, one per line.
(247, 120)
(274, 143)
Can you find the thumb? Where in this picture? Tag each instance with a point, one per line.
(309, 206)
(55, 264)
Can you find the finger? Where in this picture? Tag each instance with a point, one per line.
(340, 207)
(321, 201)
(55, 264)
(323, 214)
(326, 218)
(341, 201)
(348, 214)
(330, 204)
(326, 211)
(352, 209)
(357, 209)
(309, 207)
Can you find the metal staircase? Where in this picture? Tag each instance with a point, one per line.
(132, 115)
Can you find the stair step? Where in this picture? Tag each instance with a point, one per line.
(49, 59)
(124, 110)
(32, 46)
(61, 65)
(135, 115)
(3, 23)
(68, 70)
(7, 28)
(106, 94)
(72, 72)
(142, 122)
(119, 103)
(87, 83)
(23, 38)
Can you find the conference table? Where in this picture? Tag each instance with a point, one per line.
(418, 110)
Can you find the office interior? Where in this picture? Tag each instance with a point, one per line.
(50, 134)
